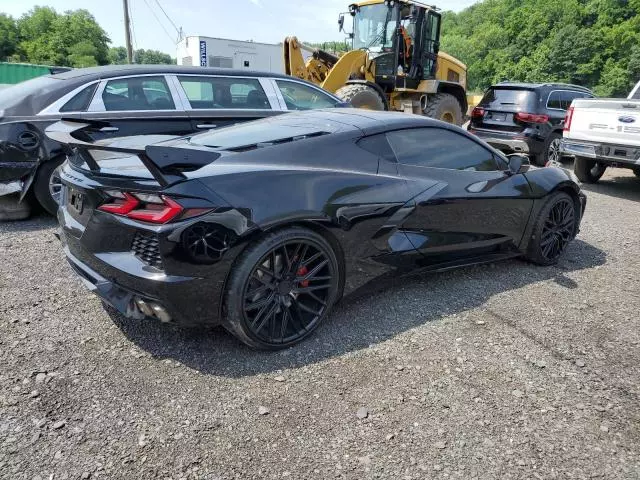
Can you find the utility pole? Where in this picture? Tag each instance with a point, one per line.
(127, 31)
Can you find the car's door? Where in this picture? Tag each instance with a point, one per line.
(137, 105)
(472, 201)
(214, 101)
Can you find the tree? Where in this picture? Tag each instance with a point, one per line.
(8, 36)
(152, 57)
(71, 39)
(117, 55)
(588, 42)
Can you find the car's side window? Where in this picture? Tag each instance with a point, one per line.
(137, 93)
(298, 96)
(568, 97)
(224, 92)
(555, 100)
(440, 148)
(378, 145)
(80, 102)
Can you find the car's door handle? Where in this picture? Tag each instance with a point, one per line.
(109, 129)
(206, 125)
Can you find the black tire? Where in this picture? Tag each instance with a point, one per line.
(281, 288)
(361, 96)
(551, 151)
(637, 172)
(445, 107)
(11, 208)
(553, 230)
(41, 185)
(588, 170)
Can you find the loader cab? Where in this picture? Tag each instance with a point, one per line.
(401, 38)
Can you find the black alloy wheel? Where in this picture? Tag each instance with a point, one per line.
(286, 292)
(555, 228)
(558, 229)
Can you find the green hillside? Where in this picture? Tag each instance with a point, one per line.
(595, 43)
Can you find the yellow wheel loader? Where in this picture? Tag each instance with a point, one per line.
(394, 63)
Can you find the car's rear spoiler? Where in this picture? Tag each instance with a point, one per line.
(165, 162)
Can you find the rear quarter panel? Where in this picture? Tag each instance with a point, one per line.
(335, 186)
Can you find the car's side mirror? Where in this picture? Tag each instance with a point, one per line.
(341, 22)
(518, 163)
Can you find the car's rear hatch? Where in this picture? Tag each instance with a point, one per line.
(498, 108)
(611, 121)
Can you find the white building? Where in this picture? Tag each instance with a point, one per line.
(224, 53)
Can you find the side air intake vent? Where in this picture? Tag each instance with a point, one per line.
(206, 243)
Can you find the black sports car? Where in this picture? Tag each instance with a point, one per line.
(263, 226)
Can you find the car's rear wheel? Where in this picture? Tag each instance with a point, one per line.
(281, 289)
(47, 184)
(588, 170)
(553, 148)
(555, 227)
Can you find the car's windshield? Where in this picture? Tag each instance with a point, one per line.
(373, 27)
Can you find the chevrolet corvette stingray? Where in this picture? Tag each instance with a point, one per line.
(262, 227)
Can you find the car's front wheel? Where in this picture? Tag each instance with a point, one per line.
(588, 170)
(47, 185)
(281, 289)
(555, 227)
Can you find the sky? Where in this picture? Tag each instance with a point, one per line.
(268, 21)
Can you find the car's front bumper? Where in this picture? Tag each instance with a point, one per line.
(611, 154)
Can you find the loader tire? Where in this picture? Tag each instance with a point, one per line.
(445, 107)
(361, 96)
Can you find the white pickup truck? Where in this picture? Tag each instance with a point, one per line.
(603, 133)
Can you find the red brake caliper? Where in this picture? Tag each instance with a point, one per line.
(301, 272)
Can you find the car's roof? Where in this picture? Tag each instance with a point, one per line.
(119, 70)
(368, 121)
(534, 86)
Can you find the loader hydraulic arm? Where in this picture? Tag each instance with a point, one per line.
(321, 68)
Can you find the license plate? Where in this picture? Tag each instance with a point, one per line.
(499, 117)
(76, 201)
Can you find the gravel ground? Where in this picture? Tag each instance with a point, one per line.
(499, 371)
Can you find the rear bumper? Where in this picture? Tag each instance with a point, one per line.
(510, 142)
(620, 155)
(128, 284)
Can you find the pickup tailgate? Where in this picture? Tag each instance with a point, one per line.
(611, 121)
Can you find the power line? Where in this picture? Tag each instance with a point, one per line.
(168, 17)
(158, 20)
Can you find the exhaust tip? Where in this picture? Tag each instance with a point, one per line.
(144, 307)
(160, 313)
(152, 309)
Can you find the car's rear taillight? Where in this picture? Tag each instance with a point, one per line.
(531, 117)
(477, 112)
(567, 120)
(147, 207)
